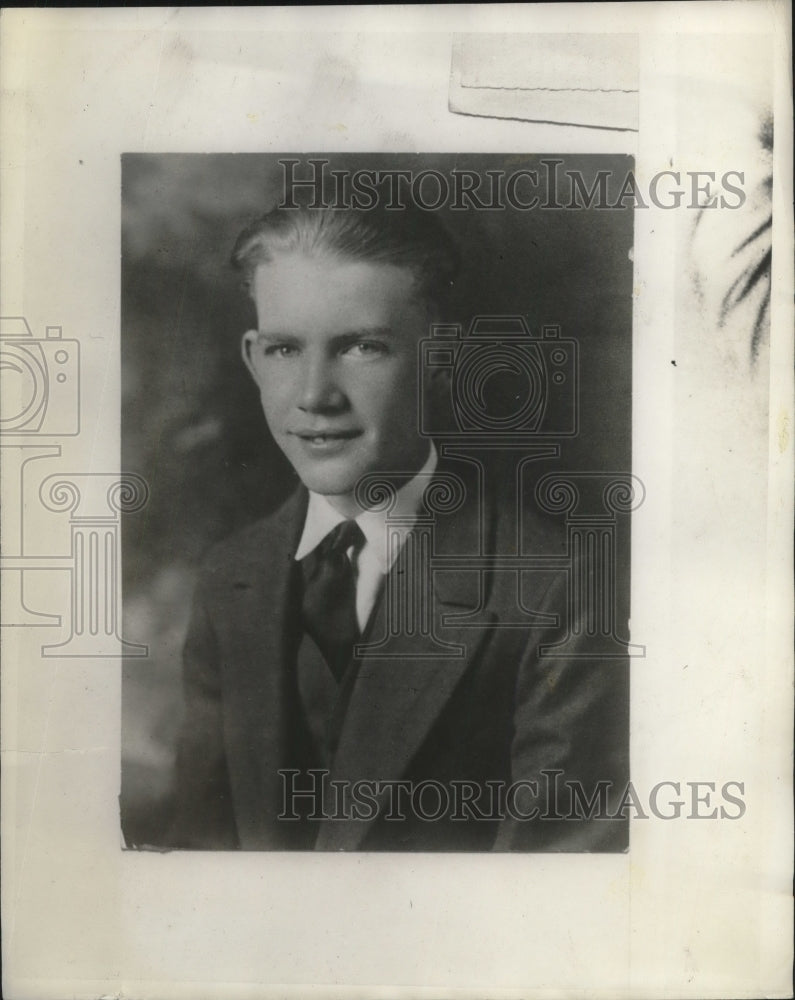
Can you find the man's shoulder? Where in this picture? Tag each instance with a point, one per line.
(517, 520)
(255, 541)
(542, 534)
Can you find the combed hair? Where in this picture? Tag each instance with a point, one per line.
(409, 238)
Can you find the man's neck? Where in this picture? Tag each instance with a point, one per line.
(345, 504)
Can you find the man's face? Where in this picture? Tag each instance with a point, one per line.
(335, 359)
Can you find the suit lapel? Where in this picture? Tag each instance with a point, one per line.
(257, 596)
(398, 697)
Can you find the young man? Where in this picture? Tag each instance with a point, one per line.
(340, 694)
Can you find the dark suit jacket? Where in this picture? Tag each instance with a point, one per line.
(499, 713)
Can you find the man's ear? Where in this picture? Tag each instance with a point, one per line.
(436, 378)
(247, 346)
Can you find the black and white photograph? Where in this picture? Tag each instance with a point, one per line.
(396, 428)
(442, 349)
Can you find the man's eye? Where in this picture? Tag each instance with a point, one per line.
(280, 350)
(366, 349)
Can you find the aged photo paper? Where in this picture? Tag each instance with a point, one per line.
(397, 416)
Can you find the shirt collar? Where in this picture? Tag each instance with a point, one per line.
(321, 517)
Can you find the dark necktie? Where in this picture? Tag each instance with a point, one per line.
(329, 602)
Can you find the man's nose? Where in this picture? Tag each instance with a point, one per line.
(320, 389)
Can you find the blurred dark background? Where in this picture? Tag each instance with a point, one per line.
(191, 420)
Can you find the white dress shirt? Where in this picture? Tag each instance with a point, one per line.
(373, 561)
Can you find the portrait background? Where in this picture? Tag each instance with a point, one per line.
(191, 419)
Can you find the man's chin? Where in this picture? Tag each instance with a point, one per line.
(331, 489)
(328, 482)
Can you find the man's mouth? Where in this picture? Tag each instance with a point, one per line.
(326, 437)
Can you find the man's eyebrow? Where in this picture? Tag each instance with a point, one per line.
(365, 333)
(337, 341)
(276, 335)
